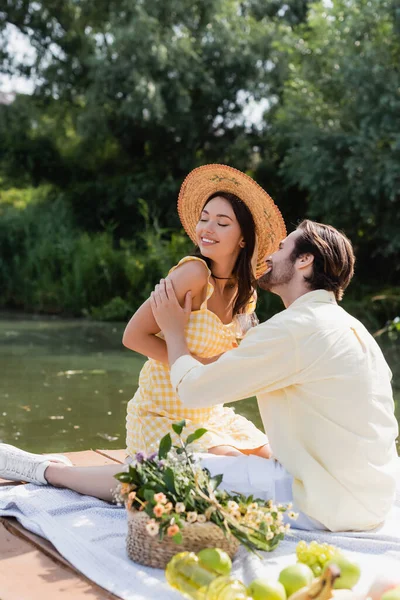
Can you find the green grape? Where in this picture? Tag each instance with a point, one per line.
(315, 555)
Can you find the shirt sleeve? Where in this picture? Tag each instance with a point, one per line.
(264, 361)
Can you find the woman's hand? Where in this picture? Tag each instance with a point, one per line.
(168, 313)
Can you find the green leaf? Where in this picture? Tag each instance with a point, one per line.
(148, 494)
(178, 427)
(215, 481)
(165, 446)
(196, 435)
(177, 538)
(134, 475)
(169, 479)
(123, 477)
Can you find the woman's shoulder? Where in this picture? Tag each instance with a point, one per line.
(192, 267)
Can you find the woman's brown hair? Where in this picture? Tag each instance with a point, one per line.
(242, 270)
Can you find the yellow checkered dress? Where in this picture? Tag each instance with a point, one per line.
(155, 406)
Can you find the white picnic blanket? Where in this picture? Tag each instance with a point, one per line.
(90, 534)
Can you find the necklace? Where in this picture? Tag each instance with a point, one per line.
(228, 285)
(215, 277)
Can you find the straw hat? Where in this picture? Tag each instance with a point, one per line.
(204, 181)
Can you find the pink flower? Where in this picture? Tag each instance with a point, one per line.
(172, 530)
(158, 510)
(160, 498)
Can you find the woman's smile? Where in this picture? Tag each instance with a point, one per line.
(206, 241)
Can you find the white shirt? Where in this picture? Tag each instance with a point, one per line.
(324, 394)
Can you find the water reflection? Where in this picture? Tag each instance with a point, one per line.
(65, 384)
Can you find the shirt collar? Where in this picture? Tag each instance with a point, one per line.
(316, 296)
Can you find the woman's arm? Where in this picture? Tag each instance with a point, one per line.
(140, 333)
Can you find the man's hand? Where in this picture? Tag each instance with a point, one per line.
(170, 316)
(209, 360)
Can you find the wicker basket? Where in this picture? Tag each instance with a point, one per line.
(152, 552)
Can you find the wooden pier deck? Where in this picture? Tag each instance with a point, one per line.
(31, 568)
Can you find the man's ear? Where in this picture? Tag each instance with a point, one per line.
(305, 260)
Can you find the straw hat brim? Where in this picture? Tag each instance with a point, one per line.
(204, 181)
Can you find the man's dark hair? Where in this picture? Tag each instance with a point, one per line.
(334, 259)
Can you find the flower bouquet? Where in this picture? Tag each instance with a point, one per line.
(174, 505)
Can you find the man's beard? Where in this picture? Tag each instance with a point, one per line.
(277, 276)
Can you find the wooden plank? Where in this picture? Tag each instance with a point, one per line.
(27, 573)
(116, 455)
(4, 482)
(94, 458)
(15, 528)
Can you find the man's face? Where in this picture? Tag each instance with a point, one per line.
(280, 268)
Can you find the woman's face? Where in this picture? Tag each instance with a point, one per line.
(218, 231)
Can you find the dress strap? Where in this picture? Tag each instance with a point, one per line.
(210, 287)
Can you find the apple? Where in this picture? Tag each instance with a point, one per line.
(215, 559)
(266, 589)
(295, 577)
(349, 572)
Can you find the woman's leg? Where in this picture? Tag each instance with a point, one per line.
(19, 465)
(91, 481)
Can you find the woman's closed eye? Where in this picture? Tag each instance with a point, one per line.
(220, 224)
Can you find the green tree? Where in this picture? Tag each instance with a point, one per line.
(133, 95)
(339, 124)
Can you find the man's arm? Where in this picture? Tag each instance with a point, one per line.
(264, 361)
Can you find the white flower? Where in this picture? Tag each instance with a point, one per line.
(252, 507)
(268, 519)
(201, 518)
(293, 515)
(269, 535)
(180, 507)
(191, 517)
(233, 506)
(152, 528)
(281, 529)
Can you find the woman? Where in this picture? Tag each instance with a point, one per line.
(220, 279)
(236, 225)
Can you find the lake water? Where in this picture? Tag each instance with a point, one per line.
(65, 384)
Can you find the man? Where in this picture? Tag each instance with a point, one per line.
(321, 381)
